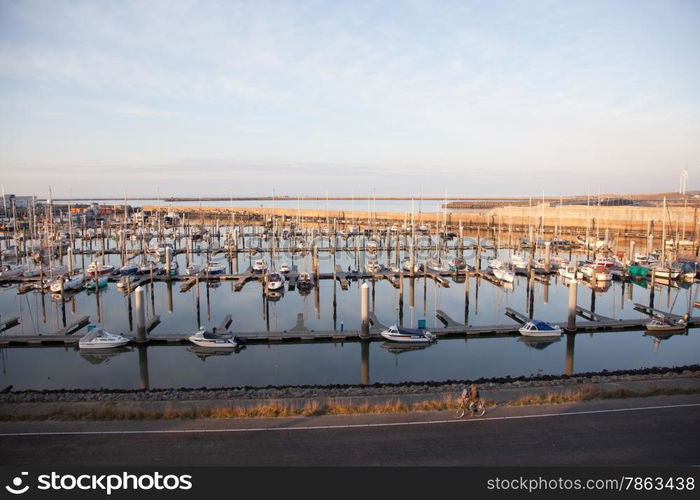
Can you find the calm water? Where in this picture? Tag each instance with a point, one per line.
(329, 307)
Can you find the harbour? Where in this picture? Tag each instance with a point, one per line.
(402, 274)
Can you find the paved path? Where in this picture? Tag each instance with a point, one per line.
(653, 431)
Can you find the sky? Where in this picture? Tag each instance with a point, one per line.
(226, 98)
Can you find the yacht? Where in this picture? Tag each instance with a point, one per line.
(504, 274)
(259, 266)
(373, 266)
(95, 269)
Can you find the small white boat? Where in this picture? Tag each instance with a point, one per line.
(437, 265)
(193, 269)
(203, 338)
(98, 338)
(570, 272)
(396, 334)
(496, 264)
(519, 262)
(457, 264)
(537, 328)
(275, 281)
(259, 266)
(284, 267)
(373, 266)
(70, 283)
(406, 265)
(504, 274)
(214, 268)
(662, 325)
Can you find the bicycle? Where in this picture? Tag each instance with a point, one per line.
(475, 409)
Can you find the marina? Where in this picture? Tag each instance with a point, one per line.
(299, 284)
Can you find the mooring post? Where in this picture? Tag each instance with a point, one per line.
(573, 291)
(140, 314)
(167, 262)
(630, 259)
(70, 261)
(364, 311)
(653, 286)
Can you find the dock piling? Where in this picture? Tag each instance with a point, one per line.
(140, 314)
(573, 292)
(364, 311)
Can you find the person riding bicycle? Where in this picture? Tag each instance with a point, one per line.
(473, 395)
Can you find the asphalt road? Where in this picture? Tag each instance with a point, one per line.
(644, 431)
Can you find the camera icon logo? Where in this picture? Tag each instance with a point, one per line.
(16, 488)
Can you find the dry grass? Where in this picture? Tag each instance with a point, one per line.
(273, 409)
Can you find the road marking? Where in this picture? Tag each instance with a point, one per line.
(345, 426)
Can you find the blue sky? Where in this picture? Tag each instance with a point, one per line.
(307, 97)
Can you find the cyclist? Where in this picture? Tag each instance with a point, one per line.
(473, 398)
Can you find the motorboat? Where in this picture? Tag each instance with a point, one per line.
(435, 264)
(214, 268)
(406, 265)
(519, 262)
(275, 281)
(193, 269)
(284, 267)
(570, 272)
(98, 338)
(204, 338)
(12, 271)
(496, 264)
(128, 269)
(504, 274)
(305, 282)
(95, 269)
(373, 266)
(69, 283)
(457, 264)
(409, 335)
(96, 282)
(126, 281)
(660, 324)
(259, 266)
(372, 246)
(537, 328)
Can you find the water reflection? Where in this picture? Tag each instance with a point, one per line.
(99, 356)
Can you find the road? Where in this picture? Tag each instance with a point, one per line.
(646, 431)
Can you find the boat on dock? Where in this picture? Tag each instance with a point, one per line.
(97, 269)
(373, 266)
(570, 272)
(305, 282)
(12, 271)
(204, 338)
(284, 267)
(537, 328)
(214, 268)
(128, 269)
(408, 335)
(69, 283)
(96, 282)
(664, 324)
(259, 266)
(99, 338)
(504, 274)
(457, 264)
(275, 281)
